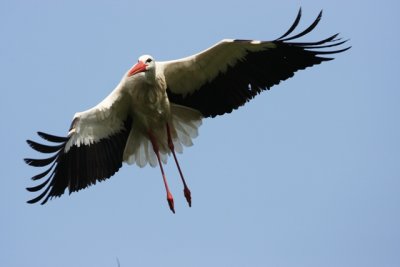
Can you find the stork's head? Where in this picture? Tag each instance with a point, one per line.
(145, 64)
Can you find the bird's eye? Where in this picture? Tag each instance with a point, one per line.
(149, 60)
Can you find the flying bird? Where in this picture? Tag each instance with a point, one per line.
(157, 107)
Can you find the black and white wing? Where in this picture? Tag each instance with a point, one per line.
(230, 73)
(91, 152)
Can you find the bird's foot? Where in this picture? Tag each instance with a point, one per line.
(170, 200)
(188, 196)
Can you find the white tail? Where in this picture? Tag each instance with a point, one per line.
(184, 126)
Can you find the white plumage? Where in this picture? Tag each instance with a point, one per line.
(157, 108)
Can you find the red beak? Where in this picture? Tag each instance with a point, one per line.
(139, 67)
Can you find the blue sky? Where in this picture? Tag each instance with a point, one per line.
(306, 174)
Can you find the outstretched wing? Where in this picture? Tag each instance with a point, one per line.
(91, 152)
(230, 73)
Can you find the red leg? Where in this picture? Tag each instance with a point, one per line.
(186, 190)
(170, 199)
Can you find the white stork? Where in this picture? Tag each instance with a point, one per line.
(157, 108)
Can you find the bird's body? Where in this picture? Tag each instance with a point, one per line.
(157, 108)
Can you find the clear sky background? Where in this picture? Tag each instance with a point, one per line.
(307, 174)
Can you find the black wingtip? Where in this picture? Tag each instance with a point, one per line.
(294, 25)
(40, 162)
(333, 52)
(322, 44)
(38, 187)
(52, 138)
(43, 148)
(309, 29)
(34, 200)
(43, 174)
(39, 197)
